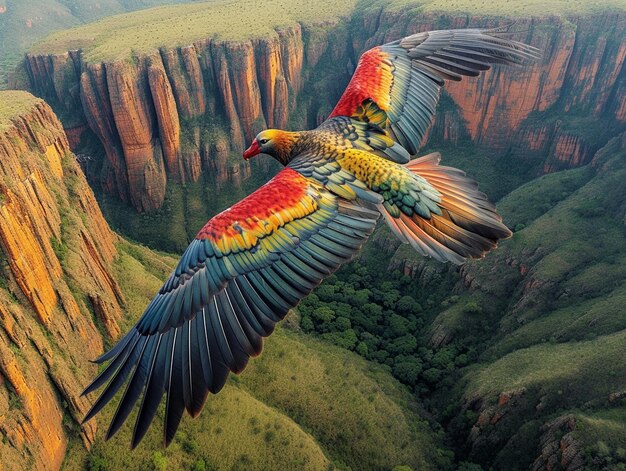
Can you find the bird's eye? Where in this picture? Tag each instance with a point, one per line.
(264, 141)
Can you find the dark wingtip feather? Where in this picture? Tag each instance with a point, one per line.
(173, 416)
(155, 387)
(198, 403)
(135, 441)
(127, 364)
(133, 388)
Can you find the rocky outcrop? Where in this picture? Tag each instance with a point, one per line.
(568, 151)
(557, 446)
(135, 117)
(56, 252)
(559, 449)
(156, 116)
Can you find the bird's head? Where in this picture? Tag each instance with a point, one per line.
(273, 142)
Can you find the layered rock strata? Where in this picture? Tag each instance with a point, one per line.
(57, 286)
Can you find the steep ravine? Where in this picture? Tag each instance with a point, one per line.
(180, 112)
(545, 314)
(220, 93)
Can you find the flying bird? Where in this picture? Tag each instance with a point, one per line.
(249, 265)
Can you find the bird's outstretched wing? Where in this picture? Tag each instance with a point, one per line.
(241, 274)
(403, 79)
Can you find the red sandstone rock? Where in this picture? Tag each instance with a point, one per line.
(135, 120)
(167, 117)
(247, 85)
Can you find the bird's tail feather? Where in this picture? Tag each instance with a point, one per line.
(468, 226)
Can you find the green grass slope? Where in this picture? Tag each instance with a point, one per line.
(580, 372)
(580, 249)
(303, 404)
(548, 314)
(14, 104)
(345, 402)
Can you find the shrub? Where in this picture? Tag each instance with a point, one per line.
(472, 307)
(96, 461)
(199, 465)
(408, 371)
(159, 461)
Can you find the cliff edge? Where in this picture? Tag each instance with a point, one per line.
(57, 287)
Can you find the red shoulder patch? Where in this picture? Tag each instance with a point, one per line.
(372, 79)
(265, 206)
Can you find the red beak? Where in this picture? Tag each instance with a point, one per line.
(254, 149)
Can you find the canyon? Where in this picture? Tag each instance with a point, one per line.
(551, 305)
(171, 116)
(162, 134)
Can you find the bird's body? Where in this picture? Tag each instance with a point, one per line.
(253, 262)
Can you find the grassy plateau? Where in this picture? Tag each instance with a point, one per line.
(23, 22)
(14, 104)
(120, 36)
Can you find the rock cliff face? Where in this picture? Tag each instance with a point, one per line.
(56, 251)
(559, 448)
(137, 109)
(506, 109)
(165, 115)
